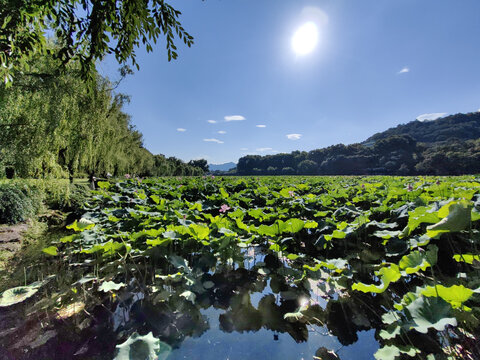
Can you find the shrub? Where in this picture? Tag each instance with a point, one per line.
(15, 206)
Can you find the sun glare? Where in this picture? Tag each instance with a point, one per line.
(305, 39)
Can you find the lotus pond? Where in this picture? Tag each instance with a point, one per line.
(257, 268)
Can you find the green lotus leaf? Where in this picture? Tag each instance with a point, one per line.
(455, 295)
(199, 231)
(17, 295)
(337, 234)
(293, 226)
(391, 352)
(158, 242)
(390, 332)
(387, 275)
(387, 234)
(81, 225)
(146, 347)
(456, 216)
(389, 317)
(467, 258)
(420, 215)
(105, 185)
(430, 312)
(109, 248)
(51, 250)
(414, 262)
(310, 224)
(70, 238)
(110, 285)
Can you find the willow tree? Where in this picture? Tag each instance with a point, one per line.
(87, 30)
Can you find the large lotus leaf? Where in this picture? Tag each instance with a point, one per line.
(16, 295)
(386, 234)
(337, 234)
(199, 231)
(420, 215)
(414, 262)
(269, 230)
(109, 248)
(293, 225)
(467, 258)
(456, 216)
(455, 295)
(81, 225)
(158, 242)
(430, 312)
(390, 332)
(145, 347)
(391, 352)
(387, 275)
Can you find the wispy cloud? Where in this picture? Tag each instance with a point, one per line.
(244, 149)
(214, 140)
(293, 136)
(212, 121)
(222, 132)
(181, 129)
(404, 70)
(431, 116)
(261, 126)
(234, 118)
(263, 149)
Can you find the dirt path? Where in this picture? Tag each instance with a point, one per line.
(10, 241)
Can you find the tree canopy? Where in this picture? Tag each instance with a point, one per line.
(86, 31)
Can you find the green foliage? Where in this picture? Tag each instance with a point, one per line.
(84, 36)
(15, 205)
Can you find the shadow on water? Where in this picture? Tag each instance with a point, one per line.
(260, 307)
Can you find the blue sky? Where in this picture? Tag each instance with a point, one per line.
(377, 64)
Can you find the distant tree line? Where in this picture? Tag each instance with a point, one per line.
(54, 124)
(393, 155)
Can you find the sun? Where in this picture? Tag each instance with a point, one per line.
(305, 39)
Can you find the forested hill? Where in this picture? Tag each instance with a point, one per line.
(447, 146)
(458, 126)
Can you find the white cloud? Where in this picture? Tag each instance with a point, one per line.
(431, 116)
(212, 121)
(181, 129)
(261, 126)
(234, 118)
(264, 149)
(244, 149)
(293, 136)
(404, 70)
(214, 140)
(222, 132)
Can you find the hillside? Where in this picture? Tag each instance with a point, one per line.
(446, 146)
(222, 167)
(458, 126)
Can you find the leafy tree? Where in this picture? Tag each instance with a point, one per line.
(86, 31)
(201, 164)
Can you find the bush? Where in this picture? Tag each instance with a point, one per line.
(24, 198)
(15, 206)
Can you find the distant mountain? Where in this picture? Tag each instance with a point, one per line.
(445, 146)
(222, 167)
(458, 127)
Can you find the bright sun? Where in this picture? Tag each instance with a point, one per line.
(305, 38)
